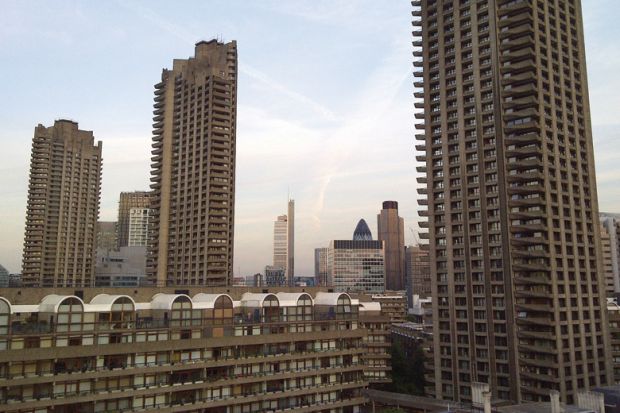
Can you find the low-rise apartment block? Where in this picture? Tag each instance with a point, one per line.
(198, 350)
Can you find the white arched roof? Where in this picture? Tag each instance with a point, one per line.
(290, 299)
(370, 306)
(202, 300)
(256, 299)
(50, 303)
(163, 301)
(103, 302)
(323, 298)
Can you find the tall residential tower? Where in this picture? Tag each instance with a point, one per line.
(63, 207)
(518, 288)
(193, 169)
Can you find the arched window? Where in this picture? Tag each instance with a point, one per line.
(223, 310)
(271, 309)
(343, 306)
(70, 315)
(122, 313)
(304, 308)
(181, 314)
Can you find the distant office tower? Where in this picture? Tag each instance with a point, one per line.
(608, 268)
(284, 243)
(139, 225)
(129, 200)
(320, 266)
(63, 207)
(518, 287)
(362, 232)
(391, 230)
(106, 235)
(418, 272)
(193, 169)
(358, 264)
(280, 242)
(275, 276)
(611, 222)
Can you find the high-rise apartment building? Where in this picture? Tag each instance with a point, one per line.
(320, 266)
(518, 290)
(418, 272)
(139, 225)
(63, 207)
(284, 243)
(391, 230)
(193, 169)
(127, 201)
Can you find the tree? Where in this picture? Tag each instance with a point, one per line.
(407, 370)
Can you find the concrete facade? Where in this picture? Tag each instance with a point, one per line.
(193, 169)
(196, 351)
(63, 207)
(510, 196)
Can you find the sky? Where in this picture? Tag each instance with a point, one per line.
(325, 106)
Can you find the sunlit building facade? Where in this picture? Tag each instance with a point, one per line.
(193, 169)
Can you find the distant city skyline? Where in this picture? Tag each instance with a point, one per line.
(310, 108)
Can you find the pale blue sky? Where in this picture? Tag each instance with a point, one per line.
(325, 105)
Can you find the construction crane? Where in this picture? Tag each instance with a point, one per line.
(415, 236)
